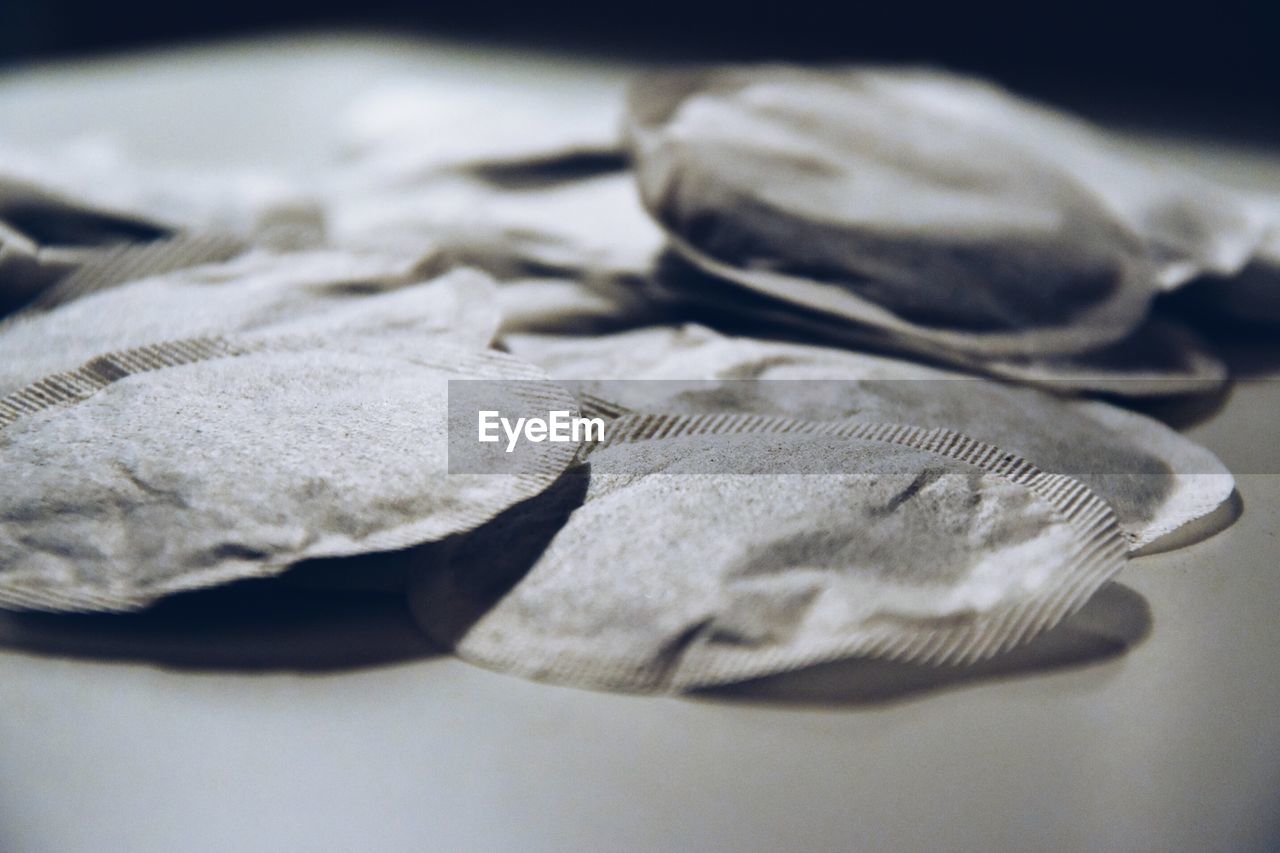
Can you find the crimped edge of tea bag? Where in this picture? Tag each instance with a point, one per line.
(1201, 484)
(67, 388)
(1092, 329)
(1200, 372)
(1101, 553)
(116, 265)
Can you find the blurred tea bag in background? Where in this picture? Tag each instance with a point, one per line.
(569, 234)
(528, 184)
(937, 212)
(571, 306)
(590, 228)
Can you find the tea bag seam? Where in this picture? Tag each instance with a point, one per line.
(594, 406)
(1072, 500)
(132, 262)
(73, 386)
(1145, 519)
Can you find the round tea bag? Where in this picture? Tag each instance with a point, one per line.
(831, 190)
(192, 462)
(1156, 480)
(937, 209)
(260, 291)
(720, 548)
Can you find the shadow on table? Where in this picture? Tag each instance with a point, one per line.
(250, 626)
(321, 615)
(1115, 620)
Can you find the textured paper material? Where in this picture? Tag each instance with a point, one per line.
(193, 462)
(1156, 480)
(669, 578)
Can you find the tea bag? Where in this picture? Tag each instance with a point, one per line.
(588, 226)
(1156, 480)
(644, 353)
(824, 542)
(191, 462)
(574, 249)
(260, 291)
(939, 211)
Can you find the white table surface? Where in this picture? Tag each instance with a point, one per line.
(105, 745)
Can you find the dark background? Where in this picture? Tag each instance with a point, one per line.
(1212, 65)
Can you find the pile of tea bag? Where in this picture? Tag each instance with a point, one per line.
(860, 338)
